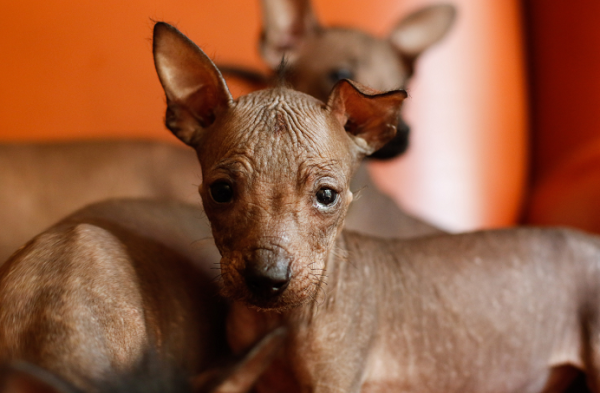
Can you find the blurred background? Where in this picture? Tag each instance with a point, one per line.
(503, 110)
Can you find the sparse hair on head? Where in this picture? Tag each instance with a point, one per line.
(283, 72)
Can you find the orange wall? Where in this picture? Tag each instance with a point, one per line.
(83, 69)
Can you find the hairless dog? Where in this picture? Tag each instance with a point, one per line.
(500, 311)
(316, 57)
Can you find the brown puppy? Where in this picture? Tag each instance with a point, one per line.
(91, 296)
(502, 311)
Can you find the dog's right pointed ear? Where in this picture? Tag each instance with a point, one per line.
(369, 117)
(421, 29)
(196, 92)
(286, 26)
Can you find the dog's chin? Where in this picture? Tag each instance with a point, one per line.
(278, 305)
(270, 305)
(283, 302)
(299, 292)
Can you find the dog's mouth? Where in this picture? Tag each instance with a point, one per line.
(242, 284)
(396, 146)
(293, 297)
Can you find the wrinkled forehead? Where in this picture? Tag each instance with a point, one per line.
(280, 125)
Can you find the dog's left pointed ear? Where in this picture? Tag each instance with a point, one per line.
(368, 116)
(196, 92)
(421, 29)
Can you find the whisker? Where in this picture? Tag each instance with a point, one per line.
(218, 277)
(324, 297)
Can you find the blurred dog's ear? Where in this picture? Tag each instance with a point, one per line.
(418, 31)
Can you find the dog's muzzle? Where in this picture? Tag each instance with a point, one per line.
(267, 272)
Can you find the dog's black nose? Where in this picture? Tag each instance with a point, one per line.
(396, 146)
(267, 273)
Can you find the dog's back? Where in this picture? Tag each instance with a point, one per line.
(42, 183)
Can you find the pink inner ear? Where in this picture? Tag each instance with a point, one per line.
(341, 116)
(203, 103)
(194, 87)
(365, 113)
(184, 70)
(423, 28)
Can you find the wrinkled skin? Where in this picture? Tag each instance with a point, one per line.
(274, 189)
(501, 311)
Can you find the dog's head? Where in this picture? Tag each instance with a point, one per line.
(318, 57)
(276, 168)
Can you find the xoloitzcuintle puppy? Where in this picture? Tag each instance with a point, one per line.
(497, 311)
(42, 183)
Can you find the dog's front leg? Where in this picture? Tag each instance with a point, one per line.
(246, 326)
(315, 359)
(327, 353)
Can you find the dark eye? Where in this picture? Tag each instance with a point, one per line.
(221, 192)
(326, 196)
(339, 74)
